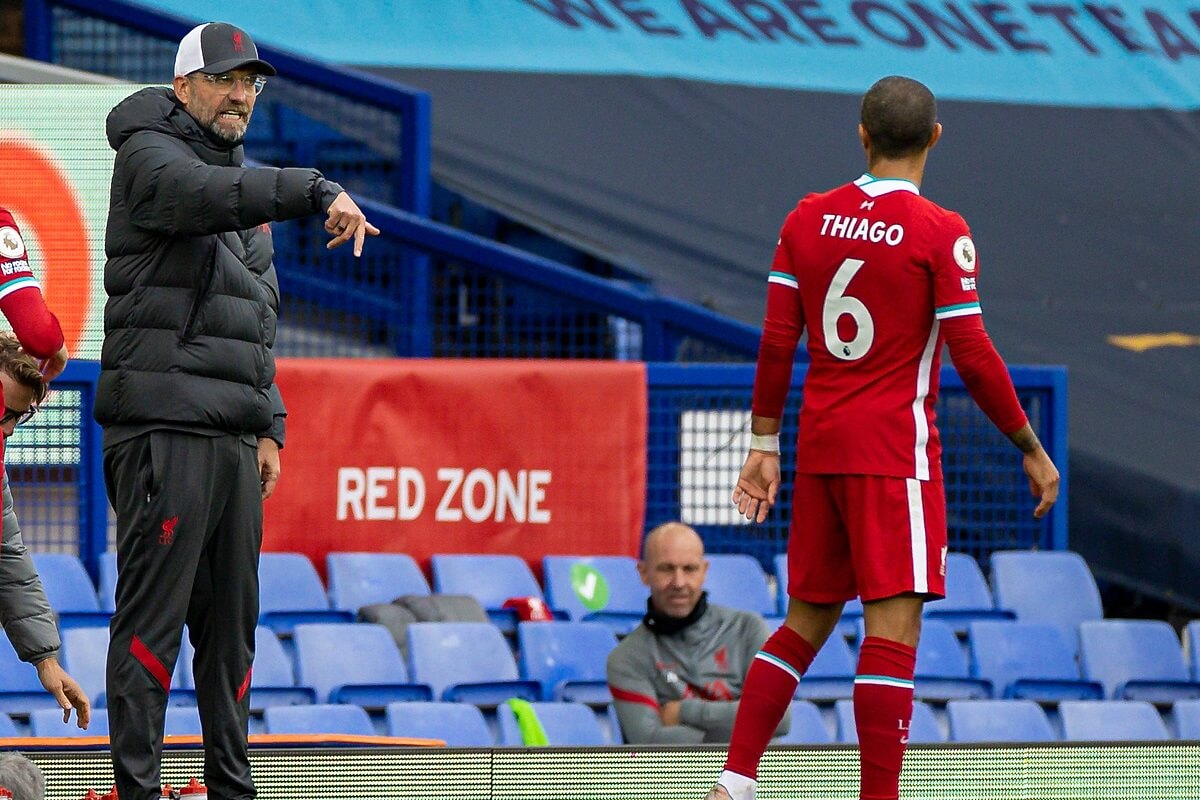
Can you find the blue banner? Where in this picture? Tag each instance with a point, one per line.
(1106, 54)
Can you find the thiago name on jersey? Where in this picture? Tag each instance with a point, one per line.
(840, 227)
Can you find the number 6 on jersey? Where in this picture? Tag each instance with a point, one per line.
(837, 303)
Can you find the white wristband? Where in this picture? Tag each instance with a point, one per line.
(767, 444)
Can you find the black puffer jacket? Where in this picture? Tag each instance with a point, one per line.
(192, 291)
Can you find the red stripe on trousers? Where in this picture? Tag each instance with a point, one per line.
(245, 687)
(148, 660)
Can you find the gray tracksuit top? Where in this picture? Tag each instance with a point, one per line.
(703, 665)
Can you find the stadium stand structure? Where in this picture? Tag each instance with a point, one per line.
(457, 724)
(998, 721)
(1053, 587)
(615, 596)
(360, 579)
(1030, 660)
(807, 725)
(565, 724)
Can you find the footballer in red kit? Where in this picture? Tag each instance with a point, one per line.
(21, 302)
(881, 279)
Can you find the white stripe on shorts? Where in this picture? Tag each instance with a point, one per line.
(916, 529)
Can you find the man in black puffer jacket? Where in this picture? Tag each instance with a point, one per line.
(192, 419)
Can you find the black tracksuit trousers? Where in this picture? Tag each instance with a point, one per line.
(189, 530)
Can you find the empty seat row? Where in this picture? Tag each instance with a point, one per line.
(457, 724)
(446, 661)
(1118, 659)
(1007, 721)
(574, 724)
(1054, 587)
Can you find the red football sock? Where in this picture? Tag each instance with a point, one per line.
(883, 701)
(767, 693)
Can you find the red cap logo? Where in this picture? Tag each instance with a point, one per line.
(237, 41)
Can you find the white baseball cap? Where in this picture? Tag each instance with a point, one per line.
(217, 47)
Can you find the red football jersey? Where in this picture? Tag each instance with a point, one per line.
(869, 268)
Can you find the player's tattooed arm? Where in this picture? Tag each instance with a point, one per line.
(1025, 439)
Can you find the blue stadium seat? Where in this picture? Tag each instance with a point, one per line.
(738, 581)
(567, 658)
(182, 721)
(968, 596)
(273, 681)
(831, 674)
(566, 725)
(361, 579)
(457, 724)
(1136, 659)
(1029, 660)
(20, 689)
(319, 719)
(291, 593)
(8, 728)
(1191, 647)
(1111, 721)
(942, 671)
(491, 579)
(353, 663)
(1187, 719)
(615, 597)
(923, 729)
(69, 590)
(106, 591)
(47, 722)
(998, 721)
(1047, 586)
(779, 565)
(808, 725)
(466, 662)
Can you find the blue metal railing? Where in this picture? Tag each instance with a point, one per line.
(411, 105)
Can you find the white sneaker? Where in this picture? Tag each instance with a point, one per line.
(743, 788)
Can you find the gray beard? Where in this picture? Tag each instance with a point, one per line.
(234, 139)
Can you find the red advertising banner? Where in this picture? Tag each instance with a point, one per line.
(460, 456)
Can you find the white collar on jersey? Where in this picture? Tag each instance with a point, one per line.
(874, 187)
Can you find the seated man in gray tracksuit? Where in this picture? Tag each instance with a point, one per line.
(678, 676)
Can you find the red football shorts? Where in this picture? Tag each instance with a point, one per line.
(869, 536)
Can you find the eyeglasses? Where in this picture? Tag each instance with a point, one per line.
(19, 417)
(223, 83)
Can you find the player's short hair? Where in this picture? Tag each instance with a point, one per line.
(899, 115)
(21, 777)
(21, 367)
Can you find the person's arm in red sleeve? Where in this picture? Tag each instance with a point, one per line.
(954, 265)
(983, 372)
(986, 377)
(783, 325)
(22, 304)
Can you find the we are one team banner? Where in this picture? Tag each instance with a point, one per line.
(447, 456)
(1136, 54)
